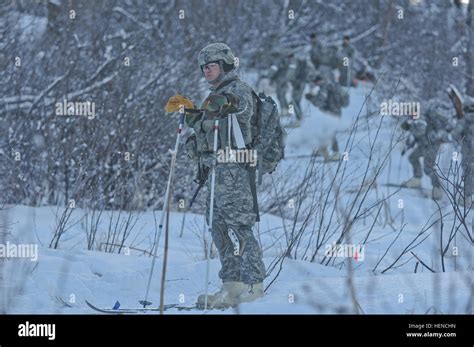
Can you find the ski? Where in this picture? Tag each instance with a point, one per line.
(291, 125)
(62, 302)
(139, 310)
(424, 192)
(307, 156)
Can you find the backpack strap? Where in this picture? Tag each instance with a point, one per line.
(253, 188)
(259, 125)
(257, 97)
(236, 131)
(223, 84)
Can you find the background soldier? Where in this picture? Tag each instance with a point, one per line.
(463, 135)
(346, 55)
(330, 97)
(297, 72)
(278, 77)
(426, 135)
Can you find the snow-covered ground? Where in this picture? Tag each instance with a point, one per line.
(76, 274)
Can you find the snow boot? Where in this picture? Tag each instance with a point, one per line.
(251, 292)
(414, 182)
(322, 152)
(333, 157)
(231, 294)
(224, 298)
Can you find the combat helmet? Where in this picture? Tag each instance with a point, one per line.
(217, 53)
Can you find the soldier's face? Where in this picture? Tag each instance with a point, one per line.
(211, 71)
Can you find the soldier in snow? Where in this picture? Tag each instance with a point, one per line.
(243, 270)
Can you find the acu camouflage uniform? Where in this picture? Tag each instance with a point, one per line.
(328, 98)
(331, 97)
(345, 71)
(427, 135)
(279, 78)
(463, 134)
(234, 212)
(297, 71)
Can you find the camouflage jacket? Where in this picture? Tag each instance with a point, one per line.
(464, 128)
(324, 55)
(297, 70)
(430, 129)
(278, 72)
(346, 51)
(205, 139)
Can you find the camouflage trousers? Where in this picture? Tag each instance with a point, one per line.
(296, 96)
(281, 89)
(345, 77)
(239, 251)
(429, 154)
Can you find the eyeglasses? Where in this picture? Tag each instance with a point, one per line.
(209, 66)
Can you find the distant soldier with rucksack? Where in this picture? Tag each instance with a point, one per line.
(426, 134)
(325, 59)
(463, 135)
(327, 94)
(329, 98)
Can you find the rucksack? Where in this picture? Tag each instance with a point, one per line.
(344, 98)
(268, 136)
(339, 96)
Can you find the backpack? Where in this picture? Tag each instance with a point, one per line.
(268, 136)
(344, 98)
(339, 95)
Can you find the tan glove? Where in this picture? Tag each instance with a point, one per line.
(178, 103)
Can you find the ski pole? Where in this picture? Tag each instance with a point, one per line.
(196, 192)
(165, 203)
(211, 211)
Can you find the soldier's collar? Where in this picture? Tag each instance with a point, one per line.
(228, 78)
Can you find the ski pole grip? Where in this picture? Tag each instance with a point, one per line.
(181, 123)
(216, 129)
